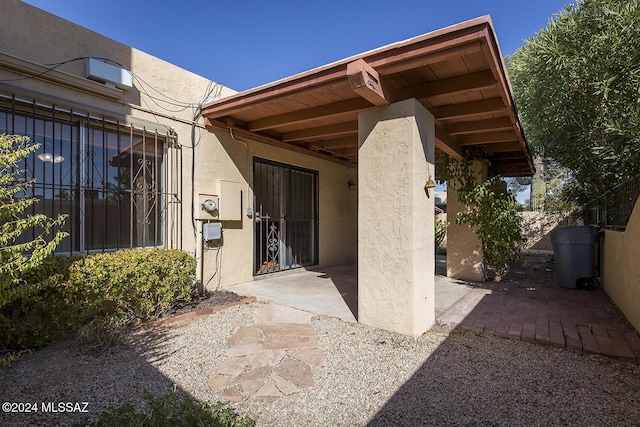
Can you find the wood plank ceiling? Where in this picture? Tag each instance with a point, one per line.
(457, 73)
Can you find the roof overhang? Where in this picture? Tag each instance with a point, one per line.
(457, 73)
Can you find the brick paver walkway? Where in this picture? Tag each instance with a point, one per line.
(528, 305)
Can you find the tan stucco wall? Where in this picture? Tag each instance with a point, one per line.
(464, 255)
(621, 268)
(395, 229)
(337, 205)
(37, 36)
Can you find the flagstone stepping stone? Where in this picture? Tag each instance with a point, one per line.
(218, 382)
(269, 389)
(290, 342)
(295, 371)
(232, 367)
(270, 359)
(243, 350)
(232, 394)
(311, 356)
(286, 387)
(246, 335)
(265, 358)
(279, 329)
(250, 387)
(255, 374)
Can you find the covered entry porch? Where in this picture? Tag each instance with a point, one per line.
(333, 291)
(392, 114)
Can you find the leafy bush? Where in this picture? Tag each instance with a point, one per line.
(96, 296)
(33, 319)
(23, 301)
(492, 212)
(132, 284)
(170, 410)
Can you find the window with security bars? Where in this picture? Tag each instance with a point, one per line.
(106, 176)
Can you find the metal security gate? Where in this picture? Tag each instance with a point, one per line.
(286, 217)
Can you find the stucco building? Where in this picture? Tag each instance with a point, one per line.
(324, 168)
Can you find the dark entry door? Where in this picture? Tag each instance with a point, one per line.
(286, 221)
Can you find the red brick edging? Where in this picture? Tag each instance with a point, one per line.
(191, 316)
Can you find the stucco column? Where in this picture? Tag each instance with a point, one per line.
(395, 218)
(464, 256)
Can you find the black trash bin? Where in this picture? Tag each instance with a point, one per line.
(573, 251)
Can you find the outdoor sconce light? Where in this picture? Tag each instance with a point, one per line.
(350, 183)
(50, 158)
(430, 184)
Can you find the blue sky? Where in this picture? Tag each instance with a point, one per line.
(243, 44)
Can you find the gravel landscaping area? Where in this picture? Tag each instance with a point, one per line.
(369, 377)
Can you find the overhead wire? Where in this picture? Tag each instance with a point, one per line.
(213, 91)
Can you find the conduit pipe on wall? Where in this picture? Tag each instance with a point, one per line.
(249, 208)
(199, 258)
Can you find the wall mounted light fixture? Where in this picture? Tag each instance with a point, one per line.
(350, 183)
(430, 183)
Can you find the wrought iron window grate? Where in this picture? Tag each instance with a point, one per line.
(109, 177)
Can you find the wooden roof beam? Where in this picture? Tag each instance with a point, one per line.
(492, 105)
(333, 144)
(452, 86)
(507, 155)
(239, 132)
(428, 54)
(447, 144)
(488, 138)
(503, 147)
(342, 129)
(480, 126)
(336, 109)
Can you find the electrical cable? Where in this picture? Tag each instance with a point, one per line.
(55, 65)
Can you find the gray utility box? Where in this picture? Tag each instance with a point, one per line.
(573, 251)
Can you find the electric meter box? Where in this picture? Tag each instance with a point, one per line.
(211, 231)
(208, 207)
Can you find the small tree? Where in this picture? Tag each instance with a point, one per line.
(16, 257)
(492, 212)
(577, 85)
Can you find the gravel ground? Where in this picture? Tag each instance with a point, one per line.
(370, 377)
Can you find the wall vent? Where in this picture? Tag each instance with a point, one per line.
(109, 74)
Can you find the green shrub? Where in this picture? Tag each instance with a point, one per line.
(491, 211)
(130, 284)
(97, 297)
(25, 241)
(32, 320)
(51, 266)
(171, 410)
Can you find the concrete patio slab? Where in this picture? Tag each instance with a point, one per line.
(315, 291)
(333, 291)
